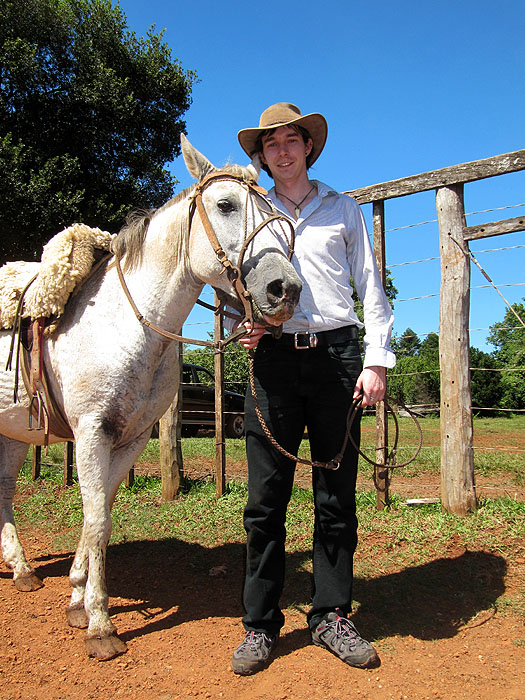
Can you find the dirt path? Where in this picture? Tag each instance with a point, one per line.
(177, 606)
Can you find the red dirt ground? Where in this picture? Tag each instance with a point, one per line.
(177, 607)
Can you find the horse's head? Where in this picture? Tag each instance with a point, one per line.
(235, 229)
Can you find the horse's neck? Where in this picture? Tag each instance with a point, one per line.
(162, 286)
(164, 300)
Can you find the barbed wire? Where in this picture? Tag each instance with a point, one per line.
(497, 250)
(470, 213)
(192, 473)
(471, 330)
(481, 286)
(437, 257)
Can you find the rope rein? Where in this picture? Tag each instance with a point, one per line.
(234, 275)
(335, 462)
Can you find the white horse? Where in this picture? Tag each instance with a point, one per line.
(113, 377)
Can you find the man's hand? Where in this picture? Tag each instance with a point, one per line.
(371, 383)
(253, 335)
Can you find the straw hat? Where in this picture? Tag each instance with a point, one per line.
(284, 114)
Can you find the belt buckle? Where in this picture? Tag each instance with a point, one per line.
(310, 337)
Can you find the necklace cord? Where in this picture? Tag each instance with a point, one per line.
(296, 205)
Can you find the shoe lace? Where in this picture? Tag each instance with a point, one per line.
(345, 629)
(253, 640)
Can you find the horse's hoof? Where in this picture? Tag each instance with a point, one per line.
(105, 648)
(77, 617)
(27, 582)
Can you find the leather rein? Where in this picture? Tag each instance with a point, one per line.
(233, 272)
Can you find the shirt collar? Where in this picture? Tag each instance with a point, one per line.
(323, 190)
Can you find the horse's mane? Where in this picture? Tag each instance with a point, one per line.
(128, 244)
(130, 240)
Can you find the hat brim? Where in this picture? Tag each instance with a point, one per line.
(314, 123)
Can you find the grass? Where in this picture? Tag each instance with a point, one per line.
(499, 446)
(404, 553)
(407, 535)
(198, 516)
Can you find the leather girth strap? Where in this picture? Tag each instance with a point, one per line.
(43, 407)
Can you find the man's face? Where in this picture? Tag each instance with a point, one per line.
(285, 153)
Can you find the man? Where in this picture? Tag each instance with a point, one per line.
(307, 378)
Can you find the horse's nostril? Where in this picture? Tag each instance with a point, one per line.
(275, 289)
(293, 295)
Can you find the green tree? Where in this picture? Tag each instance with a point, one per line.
(415, 379)
(485, 385)
(89, 116)
(406, 345)
(235, 364)
(404, 380)
(508, 338)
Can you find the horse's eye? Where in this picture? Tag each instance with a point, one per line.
(225, 206)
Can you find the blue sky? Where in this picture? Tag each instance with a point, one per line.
(406, 87)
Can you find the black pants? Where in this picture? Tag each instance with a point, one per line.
(309, 388)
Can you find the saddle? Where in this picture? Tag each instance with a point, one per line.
(43, 406)
(33, 311)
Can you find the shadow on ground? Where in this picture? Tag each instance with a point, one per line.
(429, 601)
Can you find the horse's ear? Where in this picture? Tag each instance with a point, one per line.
(255, 166)
(197, 164)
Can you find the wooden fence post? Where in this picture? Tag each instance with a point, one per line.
(36, 461)
(220, 445)
(171, 464)
(457, 463)
(381, 477)
(68, 463)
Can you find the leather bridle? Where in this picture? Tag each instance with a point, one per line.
(233, 271)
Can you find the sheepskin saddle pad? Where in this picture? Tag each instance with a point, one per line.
(66, 263)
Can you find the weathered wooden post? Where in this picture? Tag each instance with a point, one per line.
(457, 462)
(36, 461)
(220, 445)
(68, 463)
(171, 463)
(381, 477)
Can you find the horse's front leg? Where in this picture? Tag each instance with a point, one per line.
(12, 455)
(99, 481)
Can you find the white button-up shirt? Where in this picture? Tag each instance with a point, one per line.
(331, 245)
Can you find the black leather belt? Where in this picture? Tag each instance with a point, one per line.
(307, 340)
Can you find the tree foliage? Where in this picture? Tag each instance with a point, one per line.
(415, 379)
(497, 380)
(407, 345)
(508, 338)
(89, 116)
(235, 364)
(485, 381)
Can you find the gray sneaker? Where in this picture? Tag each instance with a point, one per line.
(337, 634)
(253, 653)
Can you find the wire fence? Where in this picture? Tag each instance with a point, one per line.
(514, 249)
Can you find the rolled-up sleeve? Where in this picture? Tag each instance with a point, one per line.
(378, 316)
